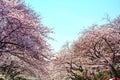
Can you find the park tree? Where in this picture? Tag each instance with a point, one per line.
(22, 35)
(101, 45)
(67, 66)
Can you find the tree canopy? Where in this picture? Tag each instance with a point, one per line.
(22, 35)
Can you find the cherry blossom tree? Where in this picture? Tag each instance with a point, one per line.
(101, 44)
(22, 34)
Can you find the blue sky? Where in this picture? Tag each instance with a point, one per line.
(69, 17)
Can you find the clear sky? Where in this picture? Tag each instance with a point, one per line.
(69, 17)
